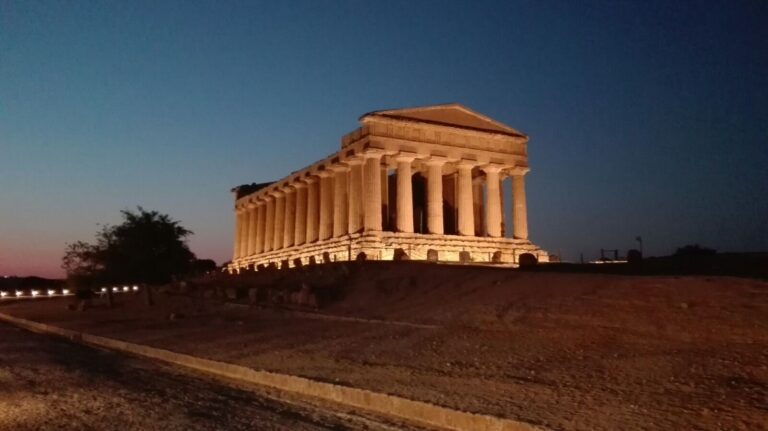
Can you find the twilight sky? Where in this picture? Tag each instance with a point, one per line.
(645, 118)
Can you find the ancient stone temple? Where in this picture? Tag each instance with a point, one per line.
(420, 183)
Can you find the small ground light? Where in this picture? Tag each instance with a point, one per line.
(135, 288)
(126, 288)
(115, 289)
(51, 292)
(3, 294)
(103, 289)
(19, 293)
(35, 292)
(65, 291)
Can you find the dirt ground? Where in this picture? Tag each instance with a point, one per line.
(50, 384)
(565, 351)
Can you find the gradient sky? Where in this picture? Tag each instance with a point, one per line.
(645, 118)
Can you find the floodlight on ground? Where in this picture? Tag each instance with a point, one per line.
(3, 294)
(35, 292)
(65, 291)
(19, 293)
(135, 288)
(103, 289)
(126, 288)
(51, 292)
(115, 289)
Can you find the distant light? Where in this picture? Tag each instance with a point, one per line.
(135, 288)
(103, 289)
(65, 291)
(19, 293)
(35, 292)
(126, 288)
(3, 294)
(115, 289)
(51, 292)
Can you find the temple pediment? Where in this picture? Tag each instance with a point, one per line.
(452, 115)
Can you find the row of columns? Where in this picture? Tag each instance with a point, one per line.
(347, 198)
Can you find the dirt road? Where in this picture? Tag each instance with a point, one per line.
(46, 383)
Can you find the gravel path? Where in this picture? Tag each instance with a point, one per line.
(48, 384)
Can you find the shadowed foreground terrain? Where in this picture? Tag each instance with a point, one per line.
(562, 350)
(47, 384)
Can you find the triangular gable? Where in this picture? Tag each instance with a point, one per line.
(452, 114)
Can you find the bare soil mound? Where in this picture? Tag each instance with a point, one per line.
(562, 350)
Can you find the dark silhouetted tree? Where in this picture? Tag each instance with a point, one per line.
(147, 247)
(202, 266)
(694, 250)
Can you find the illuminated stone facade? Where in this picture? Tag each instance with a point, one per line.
(421, 183)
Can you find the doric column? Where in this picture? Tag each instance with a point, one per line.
(313, 208)
(253, 220)
(325, 229)
(300, 225)
(477, 205)
(435, 195)
(372, 191)
(239, 215)
(466, 210)
(269, 223)
(519, 208)
(355, 219)
(244, 231)
(493, 209)
(290, 216)
(404, 193)
(260, 227)
(279, 223)
(340, 201)
(386, 211)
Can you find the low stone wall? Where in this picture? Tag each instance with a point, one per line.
(416, 411)
(385, 246)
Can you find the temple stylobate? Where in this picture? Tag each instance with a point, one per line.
(421, 183)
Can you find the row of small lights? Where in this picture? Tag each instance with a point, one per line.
(35, 292)
(52, 292)
(117, 289)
